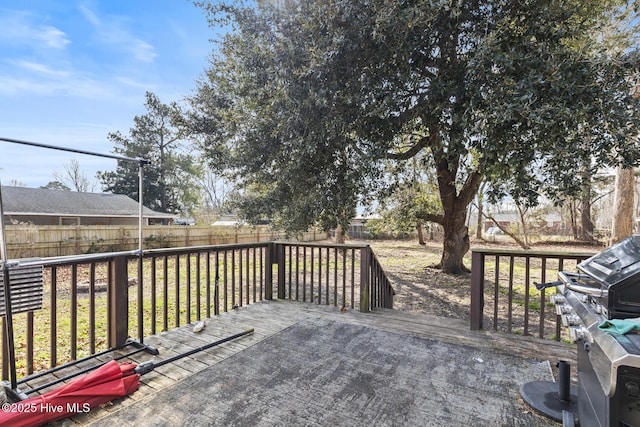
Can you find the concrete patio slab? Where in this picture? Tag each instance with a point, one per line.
(325, 372)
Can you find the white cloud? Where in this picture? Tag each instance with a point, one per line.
(31, 78)
(142, 51)
(53, 37)
(70, 85)
(113, 32)
(43, 71)
(19, 30)
(134, 84)
(41, 68)
(91, 17)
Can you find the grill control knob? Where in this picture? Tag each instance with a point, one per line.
(570, 320)
(558, 299)
(633, 388)
(579, 333)
(563, 309)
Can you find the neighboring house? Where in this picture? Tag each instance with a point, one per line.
(233, 221)
(503, 219)
(228, 221)
(357, 226)
(552, 221)
(41, 206)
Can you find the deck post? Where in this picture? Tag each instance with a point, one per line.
(118, 301)
(477, 290)
(365, 256)
(389, 295)
(280, 259)
(269, 259)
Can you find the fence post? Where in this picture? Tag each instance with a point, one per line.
(477, 290)
(77, 239)
(118, 302)
(365, 256)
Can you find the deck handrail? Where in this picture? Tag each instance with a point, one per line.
(344, 275)
(97, 301)
(511, 289)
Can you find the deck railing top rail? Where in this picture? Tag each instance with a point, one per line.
(528, 253)
(324, 245)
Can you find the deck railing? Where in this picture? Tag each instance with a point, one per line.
(95, 302)
(348, 276)
(504, 295)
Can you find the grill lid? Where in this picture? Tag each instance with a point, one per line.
(615, 264)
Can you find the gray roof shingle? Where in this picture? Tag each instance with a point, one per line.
(43, 201)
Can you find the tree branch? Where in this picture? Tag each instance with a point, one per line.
(411, 152)
(508, 233)
(470, 186)
(438, 219)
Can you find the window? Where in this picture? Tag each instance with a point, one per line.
(69, 221)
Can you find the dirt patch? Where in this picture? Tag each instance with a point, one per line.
(418, 285)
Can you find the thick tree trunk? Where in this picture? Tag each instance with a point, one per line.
(456, 244)
(622, 226)
(454, 205)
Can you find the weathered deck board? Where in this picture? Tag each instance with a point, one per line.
(269, 318)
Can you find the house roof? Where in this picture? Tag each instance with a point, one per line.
(514, 217)
(44, 201)
(505, 217)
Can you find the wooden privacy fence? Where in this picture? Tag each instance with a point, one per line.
(503, 293)
(26, 241)
(95, 302)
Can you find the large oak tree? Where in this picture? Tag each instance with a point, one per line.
(304, 102)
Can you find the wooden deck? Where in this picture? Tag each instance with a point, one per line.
(272, 319)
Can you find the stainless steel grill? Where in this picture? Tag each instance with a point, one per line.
(605, 292)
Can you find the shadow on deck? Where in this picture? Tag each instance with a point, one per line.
(317, 365)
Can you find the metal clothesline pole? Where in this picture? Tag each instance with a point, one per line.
(140, 251)
(72, 150)
(140, 205)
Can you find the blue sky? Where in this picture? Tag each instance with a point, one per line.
(73, 71)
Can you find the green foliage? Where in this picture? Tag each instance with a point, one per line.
(170, 177)
(280, 131)
(56, 185)
(304, 103)
(410, 198)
